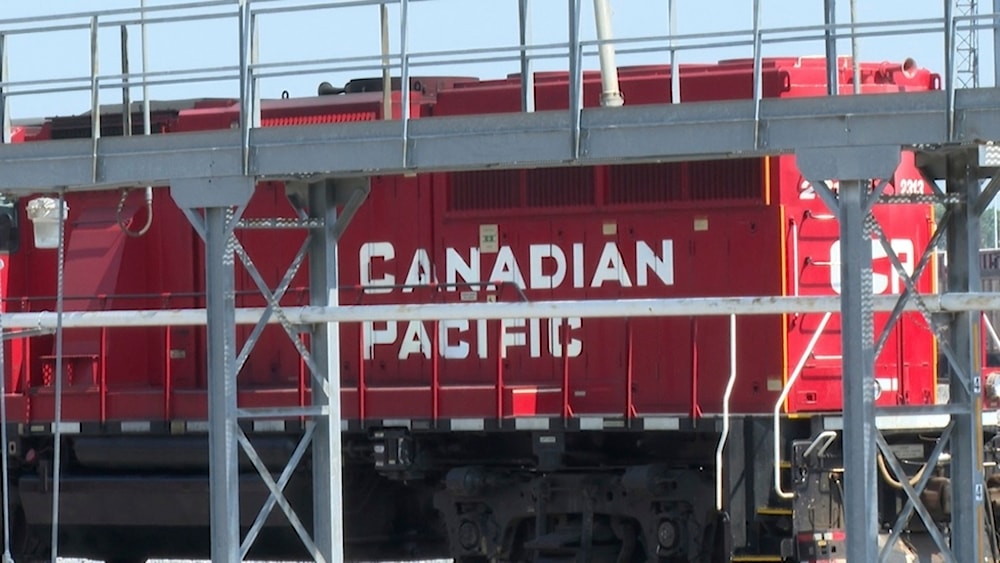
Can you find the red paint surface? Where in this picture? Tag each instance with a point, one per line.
(728, 224)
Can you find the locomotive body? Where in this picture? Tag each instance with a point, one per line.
(516, 439)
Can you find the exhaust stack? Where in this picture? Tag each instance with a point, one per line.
(611, 95)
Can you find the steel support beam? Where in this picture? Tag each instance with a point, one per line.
(218, 197)
(857, 336)
(517, 140)
(853, 168)
(222, 443)
(965, 388)
(327, 461)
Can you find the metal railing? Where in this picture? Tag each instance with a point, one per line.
(259, 58)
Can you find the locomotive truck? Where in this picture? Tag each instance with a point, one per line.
(512, 440)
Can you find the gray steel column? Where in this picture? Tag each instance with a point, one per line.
(327, 470)
(996, 43)
(965, 388)
(218, 196)
(857, 340)
(830, 20)
(852, 166)
(223, 448)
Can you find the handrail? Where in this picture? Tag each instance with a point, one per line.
(795, 258)
(825, 438)
(725, 413)
(246, 12)
(781, 400)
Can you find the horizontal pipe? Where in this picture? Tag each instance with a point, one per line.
(607, 308)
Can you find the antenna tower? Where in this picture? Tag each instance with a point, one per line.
(967, 46)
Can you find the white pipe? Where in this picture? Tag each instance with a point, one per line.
(609, 308)
(855, 48)
(611, 95)
(725, 413)
(675, 71)
(795, 259)
(781, 400)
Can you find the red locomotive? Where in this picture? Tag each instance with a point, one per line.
(521, 439)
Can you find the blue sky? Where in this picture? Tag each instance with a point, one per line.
(435, 25)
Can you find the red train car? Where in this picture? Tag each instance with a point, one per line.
(532, 438)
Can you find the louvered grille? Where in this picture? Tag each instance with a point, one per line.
(560, 187)
(646, 183)
(725, 180)
(489, 189)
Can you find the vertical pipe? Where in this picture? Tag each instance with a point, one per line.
(362, 387)
(855, 47)
(253, 83)
(95, 97)
(4, 460)
(5, 131)
(303, 374)
(857, 337)
(725, 414)
(795, 259)
(830, 34)
(126, 91)
(567, 408)
(996, 43)
(500, 355)
(404, 57)
(147, 127)
(758, 88)
(527, 77)
(611, 95)
(435, 370)
(629, 366)
(57, 419)
(386, 71)
(26, 380)
(222, 442)
(949, 64)
(168, 374)
(103, 375)
(575, 76)
(245, 98)
(962, 179)
(328, 507)
(675, 73)
(695, 407)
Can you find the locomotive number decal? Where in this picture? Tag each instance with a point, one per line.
(884, 275)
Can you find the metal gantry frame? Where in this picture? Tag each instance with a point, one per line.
(216, 173)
